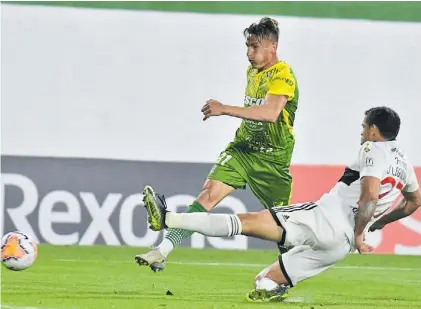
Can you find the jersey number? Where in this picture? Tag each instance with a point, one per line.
(392, 182)
(223, 158)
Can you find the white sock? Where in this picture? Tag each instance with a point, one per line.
(165, 247)
(266, 284)
(205, 223)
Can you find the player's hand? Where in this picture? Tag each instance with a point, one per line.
(378, 225)
(361, 246)
(365, 248)
(212, 108)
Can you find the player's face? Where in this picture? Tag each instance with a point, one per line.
(260, 52)
(368, 133)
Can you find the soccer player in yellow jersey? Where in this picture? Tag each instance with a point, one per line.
(260, 154)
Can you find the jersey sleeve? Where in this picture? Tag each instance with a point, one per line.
(283, 83)
(412, 185)
(372, 161)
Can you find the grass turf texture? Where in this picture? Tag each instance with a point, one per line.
(101, 277)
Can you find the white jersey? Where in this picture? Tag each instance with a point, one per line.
(383, 160)
(322, 233)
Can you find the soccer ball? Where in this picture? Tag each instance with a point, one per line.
(18, 251)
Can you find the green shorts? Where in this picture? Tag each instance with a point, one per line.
(269, 181)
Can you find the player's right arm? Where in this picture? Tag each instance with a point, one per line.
(281, 89)
(372, 166)
(268, 112)
(407, 206)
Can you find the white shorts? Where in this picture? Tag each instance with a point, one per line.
(321, 236)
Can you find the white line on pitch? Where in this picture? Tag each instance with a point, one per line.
(240, 264)
(22, 307)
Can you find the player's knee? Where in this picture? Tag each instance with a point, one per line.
(249, 221)
(208, 198)
(212, 193)
(246, 218)
(251, 217)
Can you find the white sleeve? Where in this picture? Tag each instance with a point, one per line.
(372, 161)
(412, 184)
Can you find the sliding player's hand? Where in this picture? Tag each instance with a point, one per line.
(361, 246)
(212, 108)
(365, 248)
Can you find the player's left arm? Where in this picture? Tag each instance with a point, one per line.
(372, 165)
(281, 89)
(407, 206)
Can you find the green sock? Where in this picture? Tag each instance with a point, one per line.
(176, 236)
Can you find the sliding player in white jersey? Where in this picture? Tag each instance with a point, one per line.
(324, 232)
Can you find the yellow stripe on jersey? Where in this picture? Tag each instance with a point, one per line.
(290, 193)
(283, 83)
(285, 116)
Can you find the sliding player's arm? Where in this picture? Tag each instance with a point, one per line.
(370, 186)
(372, 166)
(281, 89)
(407, 206)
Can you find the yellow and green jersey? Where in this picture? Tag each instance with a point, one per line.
(275, 141)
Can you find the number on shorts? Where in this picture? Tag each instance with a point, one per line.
(223, 158)
(392, 182)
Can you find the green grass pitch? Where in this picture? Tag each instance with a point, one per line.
(101, 277)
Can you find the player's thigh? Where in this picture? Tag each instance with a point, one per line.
(303, 224)
(229, 169)
(260, 225)
(313, 225)
(303, 262)
(271, 183)
(225, 176)
(213, 192)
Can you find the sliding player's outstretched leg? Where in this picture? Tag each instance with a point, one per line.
(272, 285)
(305, 226)
(256, 224)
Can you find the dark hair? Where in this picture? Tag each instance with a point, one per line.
(266, 28)
(385, 119)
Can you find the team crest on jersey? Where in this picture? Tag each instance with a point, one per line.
(367, 147)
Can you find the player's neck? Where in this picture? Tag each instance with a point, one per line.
(274, 61)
